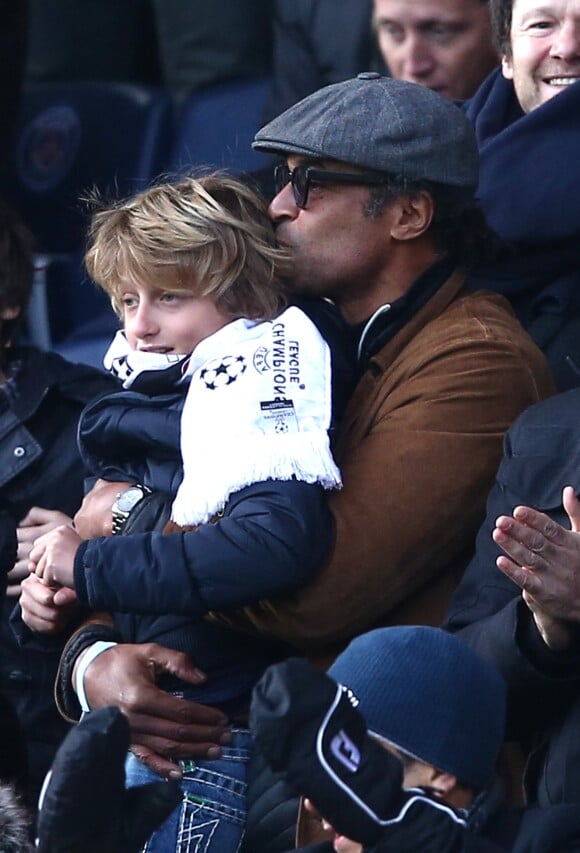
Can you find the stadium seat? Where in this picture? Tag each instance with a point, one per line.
(75, 138)
(216, 126)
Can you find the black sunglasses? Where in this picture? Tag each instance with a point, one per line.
(303, 177)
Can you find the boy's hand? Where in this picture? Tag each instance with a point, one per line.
(46, 609)
(35, 523)
(52, 556)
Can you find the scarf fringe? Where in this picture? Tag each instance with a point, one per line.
(254, 459)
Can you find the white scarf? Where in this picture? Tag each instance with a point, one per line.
(258, 408)
(128, 364)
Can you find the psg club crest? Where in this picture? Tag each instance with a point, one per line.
(48, 148)
(221, 372)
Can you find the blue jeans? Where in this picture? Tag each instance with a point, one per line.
(212, 813)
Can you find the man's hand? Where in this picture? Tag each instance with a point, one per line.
(163, 726)
(52, 556)
(35, 523)
(95, 518)
(46, 609)
(543, 559)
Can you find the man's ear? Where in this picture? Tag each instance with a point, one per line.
(506, 67)
(412, 215)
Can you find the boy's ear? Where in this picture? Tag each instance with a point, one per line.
(413, 215)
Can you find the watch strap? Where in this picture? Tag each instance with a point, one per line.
(120, 517)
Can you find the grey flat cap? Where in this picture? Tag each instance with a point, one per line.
(382, 124)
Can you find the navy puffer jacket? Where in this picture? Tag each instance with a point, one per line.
(272, 537)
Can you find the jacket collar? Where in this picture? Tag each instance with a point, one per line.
(392, 327)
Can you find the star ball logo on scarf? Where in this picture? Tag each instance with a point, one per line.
(221, 372)
(277, 404)
(121, 368)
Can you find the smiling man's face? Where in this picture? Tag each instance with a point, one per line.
(545, 49)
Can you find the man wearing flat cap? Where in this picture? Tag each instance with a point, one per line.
(376, 202)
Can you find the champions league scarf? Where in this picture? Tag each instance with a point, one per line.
(141, 369)
(258, 407)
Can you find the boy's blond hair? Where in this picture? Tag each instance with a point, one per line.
(209, 235)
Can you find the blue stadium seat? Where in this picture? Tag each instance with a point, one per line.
(74, 138)
(216, 126)
(89, 343)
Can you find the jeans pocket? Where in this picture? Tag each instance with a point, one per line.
(212, 815)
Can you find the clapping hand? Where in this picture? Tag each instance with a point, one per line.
(543, 559)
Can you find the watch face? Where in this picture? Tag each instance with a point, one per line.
(127, 499)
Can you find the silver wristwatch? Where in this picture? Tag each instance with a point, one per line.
(125, 503)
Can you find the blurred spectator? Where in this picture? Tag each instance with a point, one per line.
(425, 698)
(13, 761)
(41, 480)
(182, 45)
(527, 122)
(443, 44)
(400, 753)
(517, 603)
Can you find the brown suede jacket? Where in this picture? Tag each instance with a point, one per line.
(418, 446)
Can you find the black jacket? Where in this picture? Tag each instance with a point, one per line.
(550, 830)
(39, 466)
(541, 455)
